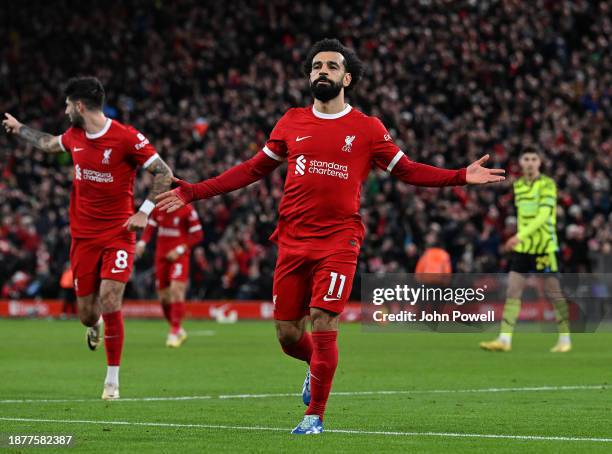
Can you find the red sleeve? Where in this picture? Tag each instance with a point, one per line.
(195, 234)
(237, 177)
(276, 145)
(388, 156)
(149, 230)
(425, 175)
(271, 156)
(140, 151)
(384, 152)
(65, 140)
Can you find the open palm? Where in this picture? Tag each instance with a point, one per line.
(477, 174)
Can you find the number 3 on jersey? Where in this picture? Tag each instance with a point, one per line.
(178, 270)
(332, 287)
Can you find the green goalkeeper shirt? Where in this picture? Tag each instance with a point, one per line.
(536, 205)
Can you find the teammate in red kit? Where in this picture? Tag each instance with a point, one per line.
(106, 155)
(330, 148)
(177, 233)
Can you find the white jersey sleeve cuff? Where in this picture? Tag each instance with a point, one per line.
(62, 143)
(272, 155)
(395, 160)
(149, 161)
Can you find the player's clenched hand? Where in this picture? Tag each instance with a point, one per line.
(477, 174)
(173, 200)
(511, 243)
(140, 248)
(172, 255)
(136, 221)
(11, 124)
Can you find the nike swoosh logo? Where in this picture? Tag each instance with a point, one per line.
(115, 271)
(75, 149)
(299, 139)
(325, 298)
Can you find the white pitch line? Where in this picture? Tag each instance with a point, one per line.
(340, 431)
(336, 393)
(424, 391)
(128, 399)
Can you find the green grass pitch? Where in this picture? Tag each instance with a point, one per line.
(445, 395)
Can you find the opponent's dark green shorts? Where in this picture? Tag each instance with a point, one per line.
(535, 263)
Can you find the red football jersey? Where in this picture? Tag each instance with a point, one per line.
(329, 156)
(105, 164)
(173, 229)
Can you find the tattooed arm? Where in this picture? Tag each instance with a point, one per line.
(41, 140)
(162, 178)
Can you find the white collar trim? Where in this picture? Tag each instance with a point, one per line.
(100, 133)
(327, 116)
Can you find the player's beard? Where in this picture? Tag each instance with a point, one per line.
(76, 119)
(325, 92)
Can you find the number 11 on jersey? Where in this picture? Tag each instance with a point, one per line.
(332, 285)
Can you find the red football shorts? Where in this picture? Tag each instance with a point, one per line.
(166, 271)
(305, 279)
(94, 259)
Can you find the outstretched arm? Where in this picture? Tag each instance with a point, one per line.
(425, 175)
(41, 140)
(237, 177)
(388, 156)
(162, 178)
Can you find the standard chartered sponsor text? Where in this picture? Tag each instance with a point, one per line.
(332, 169)
(98, 177)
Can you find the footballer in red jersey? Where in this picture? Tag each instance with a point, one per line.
(330, 147)
(106, 155)
(177, 233)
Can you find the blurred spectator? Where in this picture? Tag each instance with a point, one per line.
(207, 81)
(69, 309)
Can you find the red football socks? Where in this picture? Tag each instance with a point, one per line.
(166, 307)
(322, 368)
(302, 349)
(113, 337)
(177, 311)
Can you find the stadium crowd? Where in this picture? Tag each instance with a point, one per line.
(206, 83)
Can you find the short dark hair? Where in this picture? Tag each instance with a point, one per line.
(530, 149)
(352, 64)
(87, 89)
